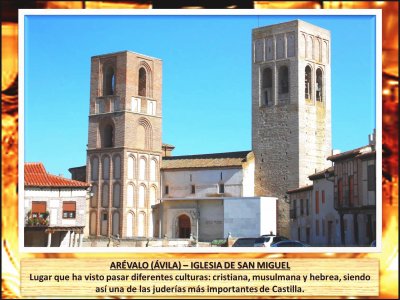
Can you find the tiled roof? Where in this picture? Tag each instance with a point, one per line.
(36, 175)
(350, 153)
(321, 174)
(214, 160)
(300, 189)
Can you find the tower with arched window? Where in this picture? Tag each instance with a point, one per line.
(291, 108)
(124, 144)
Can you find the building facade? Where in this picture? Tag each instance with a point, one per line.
(355, 194)
(54, 209)
(291, 108)
(313, 218)
(124, 147)
(210, 196)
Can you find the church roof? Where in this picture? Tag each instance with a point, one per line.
(214, 160)
(37, 176)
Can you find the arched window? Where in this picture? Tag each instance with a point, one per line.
(130, 196)
(142, 82)
(117, 166)
(319, 85)
(150, 225)
(291, 49)
(325, 52)
(303, 46)
(94, 174)
(142, 168)
(93, 223)
(131, 167)
(283, 80)
(93, 199)
(116, 195)
(142, 196)
(317, 50)
(152, 195)
(104, 196)
(107, 137)
(129, 224)
(270, 49)
(141, 224)
(280, 46)
(309, 47)
(266, 87)
(153, 169)
(115, 223)
(106, 167)
(104, 223)
(308, 83)
(108, 81)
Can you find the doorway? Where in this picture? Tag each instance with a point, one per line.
(184, 227)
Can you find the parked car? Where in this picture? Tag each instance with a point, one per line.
(290, 243)
(244, 242)
(268, 239)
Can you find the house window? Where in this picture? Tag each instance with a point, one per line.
(307, 207)
(193, 187)
(301, 207)
(294, 209)
(317, 227)
(166, 190)
(371, 177)
(283, 80)
(323, 227)
(317, 202)
(221, 188)
(38, 209)
(323, 197)
(69, 209)
(340, 192)
(351, 190)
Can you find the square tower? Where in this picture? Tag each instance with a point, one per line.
(124, 143)
(291, 108)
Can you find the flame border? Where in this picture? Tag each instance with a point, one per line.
(388, 257)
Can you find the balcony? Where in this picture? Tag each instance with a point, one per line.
(34, 220)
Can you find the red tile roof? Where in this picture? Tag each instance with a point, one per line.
(36, 175)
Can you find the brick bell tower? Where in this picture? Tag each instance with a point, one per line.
(124, 144)
(291, 108)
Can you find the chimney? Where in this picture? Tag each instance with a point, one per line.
(167, 150)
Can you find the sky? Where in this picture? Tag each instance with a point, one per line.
(206, 97)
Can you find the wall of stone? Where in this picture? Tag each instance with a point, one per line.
(290, 138)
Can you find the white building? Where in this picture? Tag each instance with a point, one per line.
(54, 209)
(210, 196)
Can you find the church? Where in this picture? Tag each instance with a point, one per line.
(139, 189)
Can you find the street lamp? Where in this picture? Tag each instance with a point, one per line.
(327, 175)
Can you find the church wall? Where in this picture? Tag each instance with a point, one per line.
(206, 182)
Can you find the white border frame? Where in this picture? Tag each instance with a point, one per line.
(237, 12)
